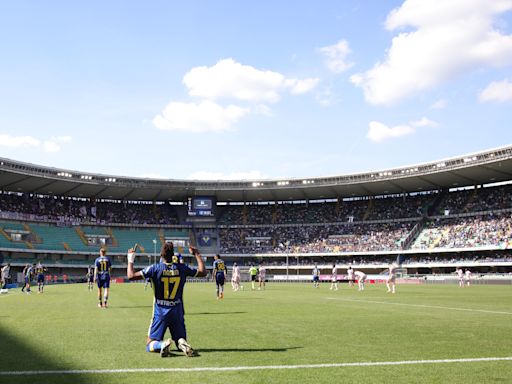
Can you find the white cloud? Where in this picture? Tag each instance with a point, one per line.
(439, 104)
(423, 122)
(497, 91)
(201, 117)
(51, 145)
(299, 87)
(378, 131)
(54, 144)
(336, 56)
(262, 109)
(232, 80)
(18, 141)
(203, 175)
(447, 39)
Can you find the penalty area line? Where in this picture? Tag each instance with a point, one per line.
(253, 368)
(422, 306)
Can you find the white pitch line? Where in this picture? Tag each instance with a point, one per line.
(253, 368)
(421, 306)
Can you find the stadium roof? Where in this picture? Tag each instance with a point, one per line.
(478, 168)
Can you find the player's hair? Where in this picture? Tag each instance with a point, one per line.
(103, 251)
(167, 251)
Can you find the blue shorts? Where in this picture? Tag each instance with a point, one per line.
(220, 278)
(27, 280)
(316, 278)
(174, 320)
(103, 282)
(91, 279)
(40, 278)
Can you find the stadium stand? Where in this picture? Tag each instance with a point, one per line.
(444, 225)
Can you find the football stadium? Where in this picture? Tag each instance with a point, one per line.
(255, 192)
(428, 221)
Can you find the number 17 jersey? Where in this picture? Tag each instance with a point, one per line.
(168, 281)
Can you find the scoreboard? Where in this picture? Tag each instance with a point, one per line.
(201, 206)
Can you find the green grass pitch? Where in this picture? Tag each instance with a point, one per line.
(287, 324)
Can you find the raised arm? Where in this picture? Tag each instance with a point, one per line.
(201, 270)
(130, 273)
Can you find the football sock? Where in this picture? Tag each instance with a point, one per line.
(154, 346)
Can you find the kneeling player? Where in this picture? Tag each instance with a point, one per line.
(168, 280)
(219, 271)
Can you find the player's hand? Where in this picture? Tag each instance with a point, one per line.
(193, 250)
(131, 255)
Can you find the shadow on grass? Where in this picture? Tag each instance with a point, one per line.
(19, 356)
(215, 313)
(206, 350)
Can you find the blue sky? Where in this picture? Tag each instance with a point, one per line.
(266, 89)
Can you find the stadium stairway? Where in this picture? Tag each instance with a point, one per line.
(410, 239)
(127, 237)
(34, 237)
(433, 208)
(161, 236)
(81, 234)
(5, 239)
(54, 237)
(115, 243)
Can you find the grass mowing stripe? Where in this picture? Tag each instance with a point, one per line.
(422, 306)
(254, 368)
